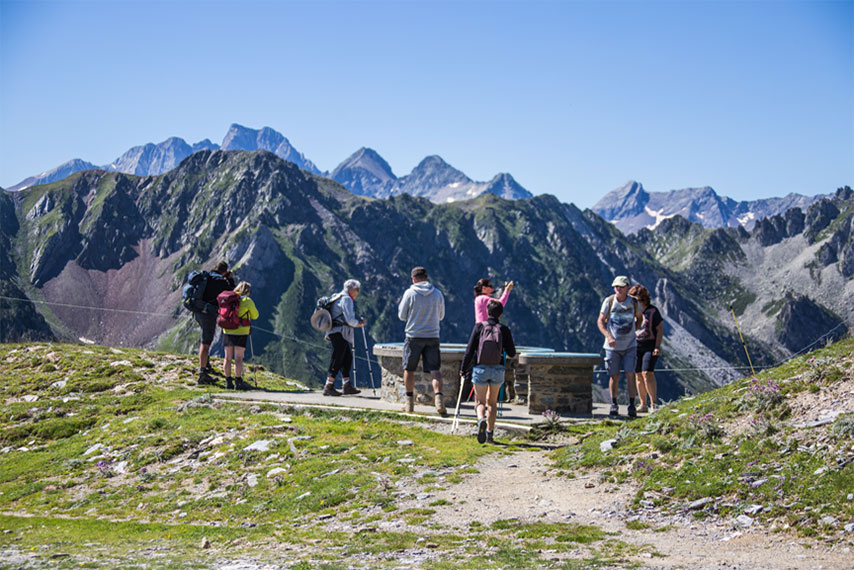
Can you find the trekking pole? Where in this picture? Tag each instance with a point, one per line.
(456, 421)
(252, 356)
(742, 340)
(368, 356)
(355, 366)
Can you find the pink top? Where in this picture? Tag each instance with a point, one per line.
(482, 300)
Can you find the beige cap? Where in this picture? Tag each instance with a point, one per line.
(620, 281)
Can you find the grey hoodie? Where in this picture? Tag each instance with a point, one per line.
(422, 307)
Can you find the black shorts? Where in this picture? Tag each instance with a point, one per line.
(646, 360)
(414, 348)
(208, 324)
(235, 340)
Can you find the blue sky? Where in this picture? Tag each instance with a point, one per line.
(755, 99)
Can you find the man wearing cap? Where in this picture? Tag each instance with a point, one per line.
(619, 317)
(422, 308)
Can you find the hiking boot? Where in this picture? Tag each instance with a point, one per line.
(204, 378)
(481, 430)
(229, 383)
(489, 437)
(409, 406)
(615, 411)
(240, 384)
(350, 389)
(208, 369)
(329, 390)
(440, 406)
(633, 413)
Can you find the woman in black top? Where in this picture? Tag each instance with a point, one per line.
(649, 337)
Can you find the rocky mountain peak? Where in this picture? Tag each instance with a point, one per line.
(239, 137)
(504, 185)
(434, 171)
(364, 172)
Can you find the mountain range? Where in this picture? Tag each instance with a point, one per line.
(632, 208)
(102, 255)
(365, 172)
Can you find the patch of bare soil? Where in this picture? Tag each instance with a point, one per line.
(523, 486)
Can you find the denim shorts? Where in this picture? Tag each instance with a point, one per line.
(616, 360)
(488, 375)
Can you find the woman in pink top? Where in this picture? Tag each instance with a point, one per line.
(483, 294)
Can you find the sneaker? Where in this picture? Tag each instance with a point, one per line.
(481, 430)
(440, 406)
(240, 384)
(409, 406)
(643, 409)
(489, 437)
(229, 383)
(329, 390)
(615, 411)
(350, 389)
(633, 413)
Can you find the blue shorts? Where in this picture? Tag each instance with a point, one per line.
(616, 360)
(488, 375)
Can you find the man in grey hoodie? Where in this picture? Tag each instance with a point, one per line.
(421, 308)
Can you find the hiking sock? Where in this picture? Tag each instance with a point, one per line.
(409, 394)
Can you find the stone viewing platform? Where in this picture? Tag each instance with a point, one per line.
(543, 379)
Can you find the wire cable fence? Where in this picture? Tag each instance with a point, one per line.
(285, 337)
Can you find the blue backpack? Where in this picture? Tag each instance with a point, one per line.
(193, 292)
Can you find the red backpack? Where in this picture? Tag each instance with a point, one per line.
(228, 315)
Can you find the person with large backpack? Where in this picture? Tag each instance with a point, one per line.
(344, 320)
(485, 357)
(236, 313)
(619, 317)
(200, 295)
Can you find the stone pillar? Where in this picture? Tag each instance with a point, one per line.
(560, 381)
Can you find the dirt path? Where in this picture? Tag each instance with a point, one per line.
(521, 485)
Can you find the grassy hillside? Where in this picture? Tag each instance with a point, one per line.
(115, 458)
(778, 447)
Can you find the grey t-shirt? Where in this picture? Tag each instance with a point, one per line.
(621, 322)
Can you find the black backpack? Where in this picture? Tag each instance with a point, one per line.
(193, 292)
(490, 347)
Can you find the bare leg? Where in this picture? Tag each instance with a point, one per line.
(229, 356)
(204, 354)
(238, 360)
(492, 401)
(409, 380)
(651, 387)
(642, 391)
(614, 386)
(437, 381)
(480, 399)
(630, 384)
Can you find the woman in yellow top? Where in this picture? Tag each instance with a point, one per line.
(234, 340)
